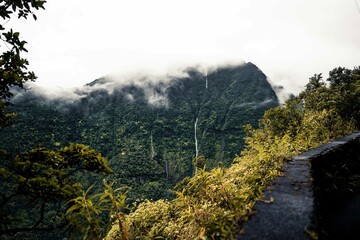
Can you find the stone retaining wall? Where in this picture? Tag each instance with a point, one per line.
(318, 196)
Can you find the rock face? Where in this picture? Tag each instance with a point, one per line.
(151, 129)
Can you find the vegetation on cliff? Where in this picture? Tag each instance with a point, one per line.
(149, 129)
(211, 204)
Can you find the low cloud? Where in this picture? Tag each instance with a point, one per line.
(282, 93)
(153, 83)
(254, 105)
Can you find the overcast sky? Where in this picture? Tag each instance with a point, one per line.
(76, 41)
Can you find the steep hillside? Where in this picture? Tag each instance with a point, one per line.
(214, 204)
(150, 130)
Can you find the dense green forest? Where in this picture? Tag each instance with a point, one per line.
(151, 146)
(150, 130)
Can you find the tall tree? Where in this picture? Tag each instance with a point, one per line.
(315, 82)
(340, 76)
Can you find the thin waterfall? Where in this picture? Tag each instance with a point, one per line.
(196, 141)
(152, 146)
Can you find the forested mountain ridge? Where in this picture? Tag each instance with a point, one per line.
(214, 204)
(210, 204)
(149, 130)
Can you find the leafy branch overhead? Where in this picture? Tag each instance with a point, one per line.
(13, 67)
(22, 7)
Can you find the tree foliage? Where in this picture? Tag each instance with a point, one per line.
(36, 185)
(41, 187)
(84, 213)
(13, 67)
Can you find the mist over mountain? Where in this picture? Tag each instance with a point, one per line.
(150, 128)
